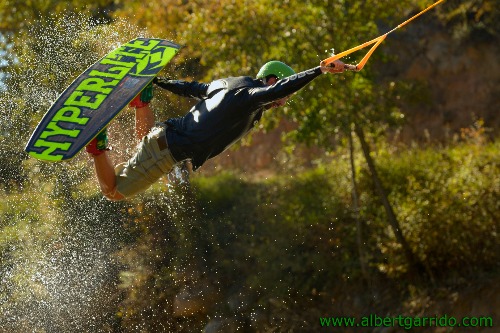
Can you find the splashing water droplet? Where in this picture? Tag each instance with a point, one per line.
(58, 273)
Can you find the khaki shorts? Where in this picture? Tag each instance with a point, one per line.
(148, 165)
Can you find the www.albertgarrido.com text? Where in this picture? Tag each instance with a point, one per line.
(406, 322)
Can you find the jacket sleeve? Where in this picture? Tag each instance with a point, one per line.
(191, 89)
(284, 87)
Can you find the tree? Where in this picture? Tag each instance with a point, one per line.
(219, 38)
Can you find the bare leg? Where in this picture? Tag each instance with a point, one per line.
(104, 169)
(106, 176)
(144, 121)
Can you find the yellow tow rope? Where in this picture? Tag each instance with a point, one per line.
(377, 42)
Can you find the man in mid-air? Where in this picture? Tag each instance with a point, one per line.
(226, 111)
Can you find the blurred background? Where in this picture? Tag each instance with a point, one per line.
(375, 192)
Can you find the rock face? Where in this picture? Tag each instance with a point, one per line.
(460, 79)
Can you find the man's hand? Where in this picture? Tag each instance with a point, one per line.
(336, 67)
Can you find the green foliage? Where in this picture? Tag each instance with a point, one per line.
(450, 215)
(17, 15)
(299, 236)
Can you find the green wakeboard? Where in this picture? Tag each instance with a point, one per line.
(97, 96)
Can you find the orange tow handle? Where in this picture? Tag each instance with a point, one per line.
(377, 41)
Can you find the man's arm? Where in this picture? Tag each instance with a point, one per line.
(284, 87)
(294, 83)
(191, 89)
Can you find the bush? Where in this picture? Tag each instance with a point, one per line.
(447, 201)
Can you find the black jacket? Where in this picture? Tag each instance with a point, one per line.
(227, 110)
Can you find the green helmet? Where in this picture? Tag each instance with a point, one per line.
(276, 68)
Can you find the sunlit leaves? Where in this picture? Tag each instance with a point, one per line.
(16, 15)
